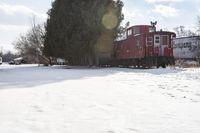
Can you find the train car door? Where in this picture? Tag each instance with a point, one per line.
(164, 44)
(161, 42)
(149, 46)
(157, 45)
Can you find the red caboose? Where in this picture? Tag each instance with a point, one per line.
(145, 47)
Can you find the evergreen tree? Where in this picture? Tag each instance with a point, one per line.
(75, 28)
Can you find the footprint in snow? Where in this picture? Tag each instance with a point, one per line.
(132, 129)
(197, 94)
(37, 108)
(110, 131)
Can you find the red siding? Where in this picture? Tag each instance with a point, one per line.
(136, 46)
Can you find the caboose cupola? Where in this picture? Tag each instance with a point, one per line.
(139, 29)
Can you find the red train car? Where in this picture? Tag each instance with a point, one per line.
(145, 47)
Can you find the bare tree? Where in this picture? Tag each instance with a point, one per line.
(122, 30)
(182, 32)
(30, 45)
(9, 56)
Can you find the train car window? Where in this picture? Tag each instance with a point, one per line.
(173, 45)
(165, 40)
(136, 30)
(151, 29)
(157, 39)
(149, 40)
(170, 44)
(129, 32)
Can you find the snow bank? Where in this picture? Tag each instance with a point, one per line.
(112, 100)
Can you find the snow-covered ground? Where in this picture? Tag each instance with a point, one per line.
(112, 100)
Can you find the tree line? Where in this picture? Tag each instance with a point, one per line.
(81, 32)
(76, 31)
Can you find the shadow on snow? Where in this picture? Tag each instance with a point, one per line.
(30, 76)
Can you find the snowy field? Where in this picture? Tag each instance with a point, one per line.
(112, 100)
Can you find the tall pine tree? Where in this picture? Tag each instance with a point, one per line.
(80, 31)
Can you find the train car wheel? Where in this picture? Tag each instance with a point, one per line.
(163, 65)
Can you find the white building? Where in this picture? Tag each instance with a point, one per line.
(186, 47)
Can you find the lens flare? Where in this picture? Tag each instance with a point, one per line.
(109, 21)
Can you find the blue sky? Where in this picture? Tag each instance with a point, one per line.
(16, 15)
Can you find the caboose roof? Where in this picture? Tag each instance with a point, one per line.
(140, 26)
